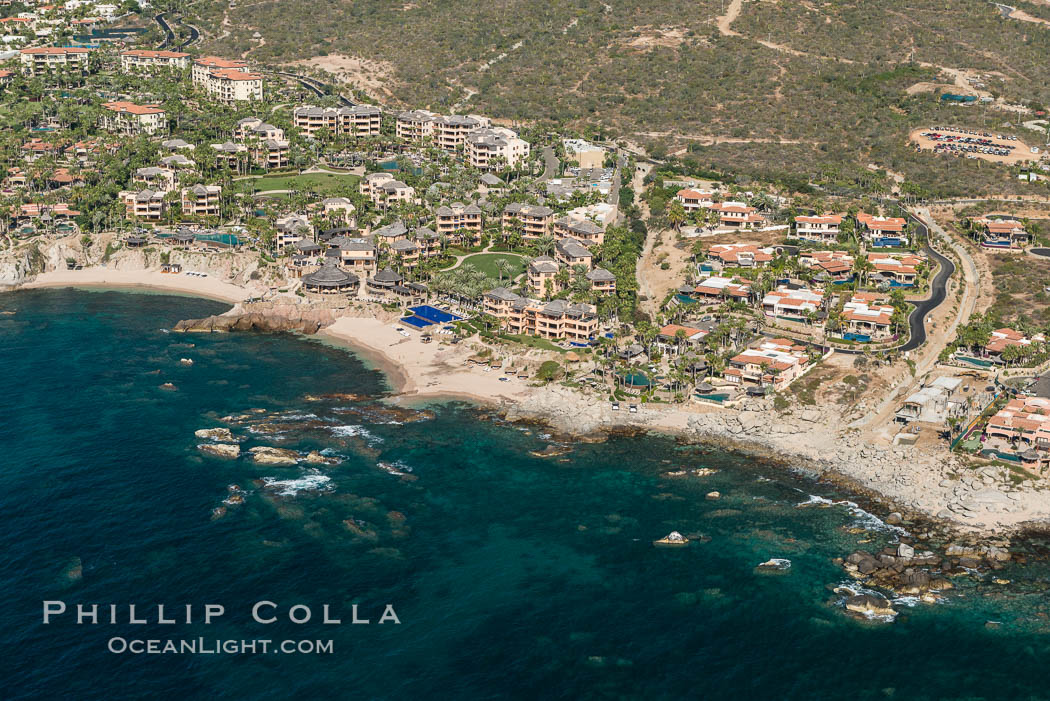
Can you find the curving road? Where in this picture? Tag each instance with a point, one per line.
(938, 289)
(169, 33)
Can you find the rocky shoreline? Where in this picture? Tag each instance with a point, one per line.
(265, 317)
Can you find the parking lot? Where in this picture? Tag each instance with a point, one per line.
(973, 143)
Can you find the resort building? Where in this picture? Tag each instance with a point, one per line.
(176, 145)
(799, 305)
(46, 59)
(251, 128)
(822, 229)
(583, 153)
(554, 320)
(357, 254)
(408, 252)
(883, 232)
(131, 120)
(227, 81)
(695, 200)
(490, 184)
(542, 276)
(773, 363)
(201, 201)
(584, 230)
(602, 281)
(330, 279)
(145, 60)
(458, 221)
(177, 161)
(416, 125)
(291, 229)
(737, 215)
(160, 179)
(1003, 233)
(571, 252)
(740, 255)
(144, 205)
(533, 221)
(231, 155)
(396, 231)
(356, 121)
(495, 149)
(450, 133)
(383, 189)
(338, 208)
(271, 153)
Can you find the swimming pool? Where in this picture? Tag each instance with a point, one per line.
(433, 314)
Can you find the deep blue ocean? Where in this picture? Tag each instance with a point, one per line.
(512, 576)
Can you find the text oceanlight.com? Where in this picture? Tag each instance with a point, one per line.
(204, 646)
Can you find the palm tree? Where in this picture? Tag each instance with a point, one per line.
(503, 268)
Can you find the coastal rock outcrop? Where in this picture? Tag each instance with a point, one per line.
(215, 434)
(222, 450)
(265, 455)
(267, 318)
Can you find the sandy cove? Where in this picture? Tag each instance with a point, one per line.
(930, 482)
(208, 287)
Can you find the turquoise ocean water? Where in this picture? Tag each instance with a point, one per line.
(513, 576)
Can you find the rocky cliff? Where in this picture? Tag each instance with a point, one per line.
(266, 316)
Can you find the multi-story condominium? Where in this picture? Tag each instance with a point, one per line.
(408, 252)
(738, 215)
(383, 189)
(43, 59)
(397, 231)
(176, 145)
(883, 232)
(824, 229)
(131, 120)
(255, 128)
(602, 281)
(229, 154)
(159, 179)
(571, 252)
(458, 220)
(227, 81)
(554, 320)
(695, 200)
(585, 230)
(144, 205)
(356, 253)
(291, 229)
(542, 276)
(339, 208)
(201, 200)
(359, 120)
(271, 153)
(428, 240)
(417, 125)
(145, 60)
(450, 133)
(495, 149)
(176, 161)
(533, 221)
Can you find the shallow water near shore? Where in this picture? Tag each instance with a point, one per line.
(513, 576)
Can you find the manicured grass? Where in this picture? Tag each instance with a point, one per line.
(486, 263)
(532, 342)
(323, 183)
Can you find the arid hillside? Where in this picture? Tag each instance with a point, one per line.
(769, 85)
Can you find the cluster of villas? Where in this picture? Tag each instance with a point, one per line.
(32, 21)
(485, 147)
(1022, 428)
(876, 231)
(731, 214)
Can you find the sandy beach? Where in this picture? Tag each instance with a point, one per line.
(419, 370)
(208, 287)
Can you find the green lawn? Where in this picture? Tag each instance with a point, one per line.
(323, 183)
(486, 263)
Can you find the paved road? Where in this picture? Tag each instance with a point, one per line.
(169, 35)
(316, 87)
(550, 165)
(617, 181)
(938, 290)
